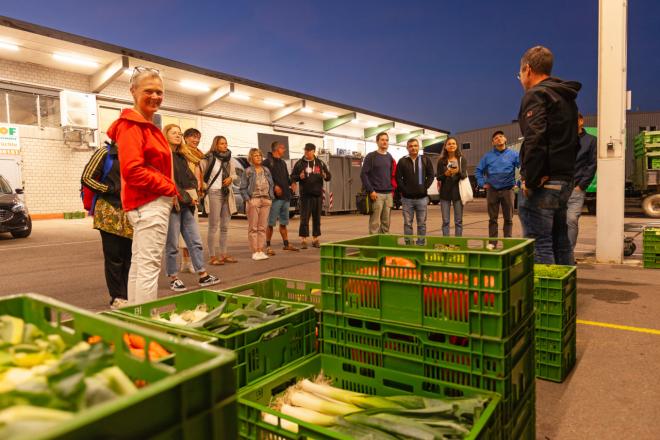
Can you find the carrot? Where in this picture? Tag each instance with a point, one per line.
(94, 340)
(158, 350)
(137, 352)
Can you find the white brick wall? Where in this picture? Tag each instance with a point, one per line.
(51, 169)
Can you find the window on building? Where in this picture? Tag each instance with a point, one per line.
(3, 107)
(466, 146)
(49, 111)
(22, 108)
(652, 128)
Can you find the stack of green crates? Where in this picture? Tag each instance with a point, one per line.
(647, 156)
(190, 394)
(259, 350)
(555, 298)
(452, 309)
(651, 244)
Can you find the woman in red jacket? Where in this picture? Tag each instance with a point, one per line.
(148, 191)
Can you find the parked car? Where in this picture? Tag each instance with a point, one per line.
(14, 216)
(241, 163)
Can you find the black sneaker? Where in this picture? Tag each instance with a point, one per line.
(177, 285)
(208, 280)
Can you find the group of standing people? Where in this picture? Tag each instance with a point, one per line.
(149, 183)
(412, 175)
(557, 163)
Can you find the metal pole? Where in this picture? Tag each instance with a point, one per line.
(612, 69)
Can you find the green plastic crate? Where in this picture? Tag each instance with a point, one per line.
(522, 425)
(451, 284)
(421, 351)
(555, 298)
(550, 339)
(191, 394)
(259, 350)
(651, 261)
(509, 375)
(254, 400)
(306, 292)
(557, 361)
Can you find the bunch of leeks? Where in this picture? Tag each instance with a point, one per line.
(363, 416)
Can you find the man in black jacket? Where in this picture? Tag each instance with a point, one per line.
(414, 175)
(547, 118)
(585, 170)
(279, 210)
(310, 171)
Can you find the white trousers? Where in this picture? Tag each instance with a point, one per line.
(150, 223)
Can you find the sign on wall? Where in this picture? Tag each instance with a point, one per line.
(9, 140)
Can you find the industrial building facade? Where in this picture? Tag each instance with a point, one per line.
(476, 143)
(43, 154)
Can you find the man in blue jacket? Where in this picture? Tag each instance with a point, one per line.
(496, 173)
(585, 169)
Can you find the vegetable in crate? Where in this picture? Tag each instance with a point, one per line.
(254, 314)
(372, 417)
(43, 383)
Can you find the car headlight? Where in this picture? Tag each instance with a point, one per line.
(19, 207)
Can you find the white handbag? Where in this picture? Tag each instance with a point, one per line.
(465, 189)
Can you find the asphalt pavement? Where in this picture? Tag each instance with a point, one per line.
(612, 392)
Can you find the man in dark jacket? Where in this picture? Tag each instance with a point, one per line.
(414, 175)
(585, 170)
(496, 173)
(310, 171)
(279, 210)
(547, 118)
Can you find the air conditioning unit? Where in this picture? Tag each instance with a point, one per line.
(78, 110)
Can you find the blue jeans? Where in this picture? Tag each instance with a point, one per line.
(575, 204)
(412, 208)
(543, 218)
(184, 223)
(445, 207)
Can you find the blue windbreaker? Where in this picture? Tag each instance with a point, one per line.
(498, 168)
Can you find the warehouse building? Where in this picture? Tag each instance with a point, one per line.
(59, 92)
(476, 143)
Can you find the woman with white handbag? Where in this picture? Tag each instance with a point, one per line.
(452, 169)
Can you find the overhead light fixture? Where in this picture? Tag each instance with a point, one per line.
(240, 96)
(193, 85)
(72, 59)
(274, 102)
(307, 110)
(356, 121)
(8, 46)
(372, 124)
(330, 114)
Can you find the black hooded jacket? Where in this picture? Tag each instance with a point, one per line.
(548, 122)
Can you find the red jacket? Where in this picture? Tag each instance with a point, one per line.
(145, 160)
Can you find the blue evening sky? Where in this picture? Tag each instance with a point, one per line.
(450, 64)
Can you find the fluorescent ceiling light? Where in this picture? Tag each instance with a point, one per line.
(274, 102)
(193, 85)
(330, 114)
(372, 124)
(8, 46)
(356, 121)
(72, 59)
(240, 96)
(307, 110)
